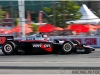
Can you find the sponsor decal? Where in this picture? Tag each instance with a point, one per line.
(37, 45)
(90, 41)
(46, 45)
(30, 38)
(41, 45)
(2, 40)
(9, 39)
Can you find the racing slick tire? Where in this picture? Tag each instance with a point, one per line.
(67, 47)
(9, 48)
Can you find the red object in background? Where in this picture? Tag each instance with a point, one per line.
(40, 18)
(17, 29)
(79, 28)
(28, 17)
(5, 31)
(46, 28)
(26, 25)
(91, 27)
(7, 15)
(28, 30)
(58, 28)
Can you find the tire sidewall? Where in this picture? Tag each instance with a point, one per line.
(69, 45)
(12, 47)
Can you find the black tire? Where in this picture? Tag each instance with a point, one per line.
(76, 42)
(9, 48)
(67, 47)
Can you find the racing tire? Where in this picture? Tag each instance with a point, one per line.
(67, 47)
(9, 48)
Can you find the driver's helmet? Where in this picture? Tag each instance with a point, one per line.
(45, 36)
(41, 34)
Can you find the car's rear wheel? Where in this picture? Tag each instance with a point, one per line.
(9, 48)
(67, 47)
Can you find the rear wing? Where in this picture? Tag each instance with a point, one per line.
(4, 39)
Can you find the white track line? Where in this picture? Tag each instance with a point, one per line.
(52, 62)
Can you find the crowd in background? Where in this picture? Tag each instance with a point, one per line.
(72, 33)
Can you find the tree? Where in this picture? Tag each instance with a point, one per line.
(63, 11)
(16, 22)
(16, 19)
(35, 27)
(98, 13)
(2, 14)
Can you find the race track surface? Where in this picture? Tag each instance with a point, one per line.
(48, 63)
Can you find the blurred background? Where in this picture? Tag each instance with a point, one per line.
(54, 18)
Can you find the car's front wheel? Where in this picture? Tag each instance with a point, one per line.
(9, 48)
(67, 47)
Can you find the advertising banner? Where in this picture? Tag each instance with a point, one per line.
(92, 41)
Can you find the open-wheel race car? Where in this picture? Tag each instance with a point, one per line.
(38, 43)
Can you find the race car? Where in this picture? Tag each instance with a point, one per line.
(38, 43)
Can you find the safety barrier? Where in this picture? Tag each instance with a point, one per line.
(93, 41)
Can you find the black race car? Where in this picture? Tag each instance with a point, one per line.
(38, 43)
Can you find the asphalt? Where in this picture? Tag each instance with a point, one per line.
(48, 63)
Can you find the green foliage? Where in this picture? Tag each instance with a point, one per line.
(16, 21)
(98, 13)
(48, 10)
(2, 14)
(63, 11)
(35, 27)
